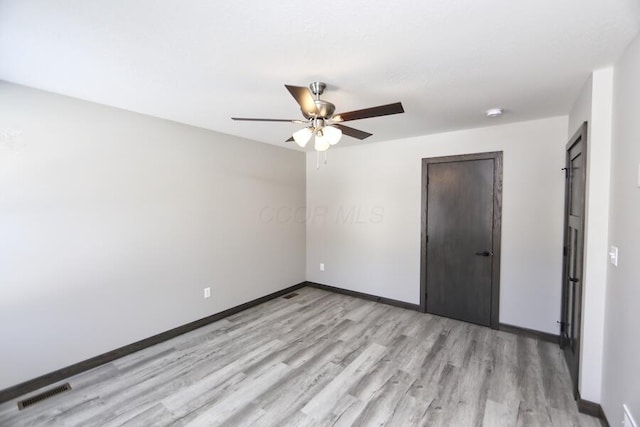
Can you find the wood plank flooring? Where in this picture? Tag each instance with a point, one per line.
(322, 359)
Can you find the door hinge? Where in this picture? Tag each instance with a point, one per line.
(565, 251)
(563, 325)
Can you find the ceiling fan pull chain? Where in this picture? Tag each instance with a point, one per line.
(317, 160)
(325, 157)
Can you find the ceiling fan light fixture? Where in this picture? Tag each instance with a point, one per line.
(332, 133)
(302, 136)
(321, 143)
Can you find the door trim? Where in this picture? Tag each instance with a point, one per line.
(496, 156)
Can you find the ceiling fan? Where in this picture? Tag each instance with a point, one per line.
(319, 114)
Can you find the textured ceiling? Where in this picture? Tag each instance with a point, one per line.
(201, 62)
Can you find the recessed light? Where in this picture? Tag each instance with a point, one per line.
(494, 112)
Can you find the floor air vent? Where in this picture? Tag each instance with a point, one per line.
(290, 296)
(42, 396)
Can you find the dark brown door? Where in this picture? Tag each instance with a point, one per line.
(572, 283)
(460, 248)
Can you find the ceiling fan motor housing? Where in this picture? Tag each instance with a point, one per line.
(324, 110)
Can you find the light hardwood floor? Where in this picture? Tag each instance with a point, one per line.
(322, 359)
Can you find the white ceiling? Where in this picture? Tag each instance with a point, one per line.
(201, 62)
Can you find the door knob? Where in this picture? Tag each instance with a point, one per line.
(485, 253)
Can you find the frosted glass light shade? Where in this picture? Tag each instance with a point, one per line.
(322, 143)
(333, 134)
(302, 136)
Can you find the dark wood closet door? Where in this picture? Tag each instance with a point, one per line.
(460, 214)
(572, 278)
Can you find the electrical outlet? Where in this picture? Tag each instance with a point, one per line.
(321, 266)
(207, 293)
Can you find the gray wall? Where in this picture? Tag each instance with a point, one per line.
(364, 216)
(621, 381)
(112, 223)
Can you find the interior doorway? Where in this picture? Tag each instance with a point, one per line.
(572, 277)
(461, 230)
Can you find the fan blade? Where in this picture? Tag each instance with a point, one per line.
(382, 110)
(303, 97)
(354, 133)
(290, 139)
(248, 119)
